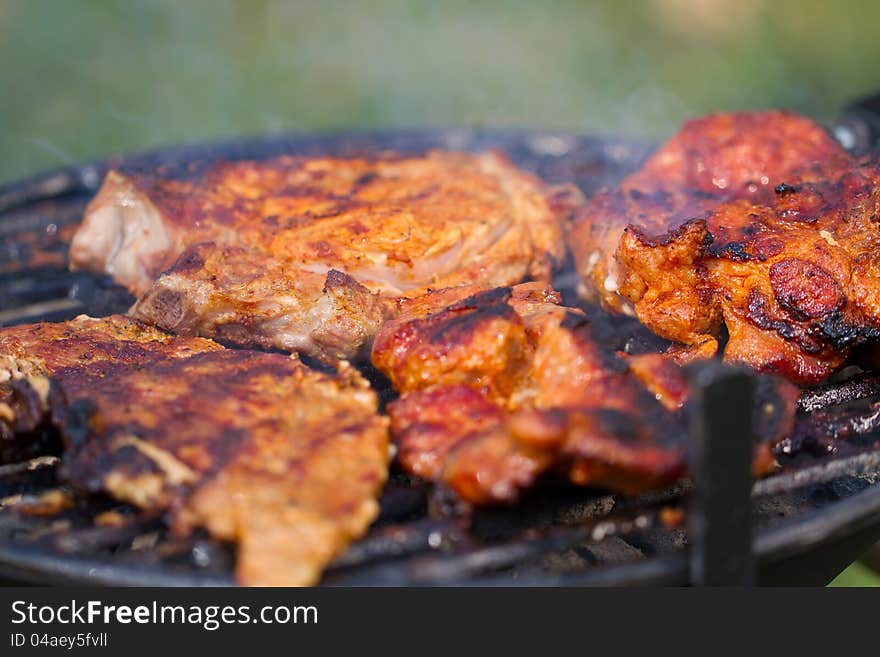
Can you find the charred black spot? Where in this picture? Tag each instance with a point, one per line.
(57, 413)
(26, 404)
(843, 334)
(759, 315)
(804, 289)
(73, 420)
(466, 315)
(490, 297)
(574, 321)
(735, 251)
(833, 330)
(31, 433)
(785, 188)
(190, 261)
(620, 425)
(365, 179)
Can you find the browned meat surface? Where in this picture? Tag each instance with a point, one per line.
(307, 254)
(757, 222)
(83, 351)
(501, 386)
(460, 335)
(257, 448)
(661, 373)
(662, 377)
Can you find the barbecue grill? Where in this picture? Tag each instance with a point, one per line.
(802, 525)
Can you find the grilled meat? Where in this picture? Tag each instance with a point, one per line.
(501, 386)
(774, 413)
(257, 448)
(234, 296)
(308, 254)
(757, 222)
(80, 352)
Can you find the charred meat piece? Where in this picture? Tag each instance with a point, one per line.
(257, 448)
(81, 352)
(774, 414)
(461, 335)
(504, 385)
(757, 222)
(307, 254)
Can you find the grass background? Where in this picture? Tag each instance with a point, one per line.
(83, 79)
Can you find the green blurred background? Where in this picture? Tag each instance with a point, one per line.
(82, 79)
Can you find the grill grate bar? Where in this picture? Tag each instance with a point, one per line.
(456, 564)
(859, 387)
(398, 541)
(43, 224)
(49, 186)
(864, 463)
(29, 465)
(55, 310)
(93, 538)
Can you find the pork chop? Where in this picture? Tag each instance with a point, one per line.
(308, 254)
(757, 227)
(257, 448)
(31, 355)
(502, 386)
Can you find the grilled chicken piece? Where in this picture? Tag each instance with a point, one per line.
(257, 448)
(501, 386)
(759, 222)
(308, 254)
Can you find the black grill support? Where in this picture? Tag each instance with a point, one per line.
(720, 511)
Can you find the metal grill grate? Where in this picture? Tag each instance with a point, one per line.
(558, 535)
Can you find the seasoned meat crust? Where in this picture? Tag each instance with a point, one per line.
(501, 386)
(757, 222)
(308, 254)
(257, 448)
(87, 348)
